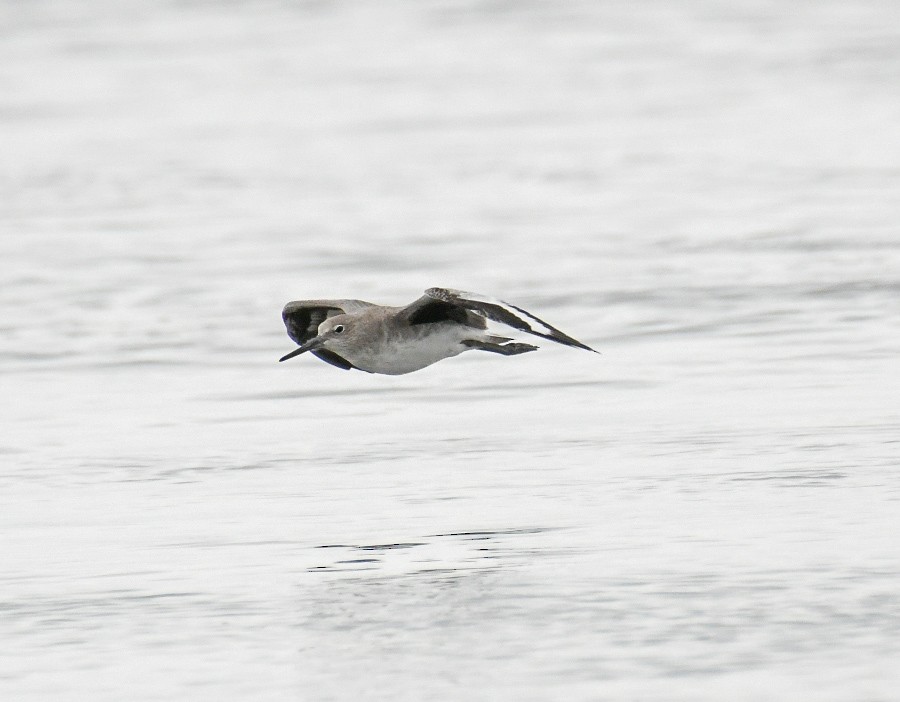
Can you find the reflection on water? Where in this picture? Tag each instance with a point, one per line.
(704, 193)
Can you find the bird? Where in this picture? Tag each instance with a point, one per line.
(354, 334)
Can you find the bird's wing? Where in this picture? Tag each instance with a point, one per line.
(303, 317)
(429, 310)
(498, 311)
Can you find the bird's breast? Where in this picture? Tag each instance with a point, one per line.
(411, 350)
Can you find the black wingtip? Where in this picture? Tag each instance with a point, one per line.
(567, 340)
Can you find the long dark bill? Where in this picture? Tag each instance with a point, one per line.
(296, 352)
(313, 343)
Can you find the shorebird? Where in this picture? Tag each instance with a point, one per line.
(397, 340)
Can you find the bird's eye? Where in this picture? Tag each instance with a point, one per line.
(339, 328)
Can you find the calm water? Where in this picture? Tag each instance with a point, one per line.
(707, 192)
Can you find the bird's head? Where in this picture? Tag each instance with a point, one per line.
(334, 334)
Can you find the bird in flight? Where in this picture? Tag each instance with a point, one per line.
(397, 340)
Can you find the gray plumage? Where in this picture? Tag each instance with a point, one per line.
(397, 340)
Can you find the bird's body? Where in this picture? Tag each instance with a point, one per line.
(398, 349)
(397, 340)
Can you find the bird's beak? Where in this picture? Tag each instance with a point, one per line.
(313, 343)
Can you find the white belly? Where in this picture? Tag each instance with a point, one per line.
(413, 352)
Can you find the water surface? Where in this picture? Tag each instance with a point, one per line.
(704, 192)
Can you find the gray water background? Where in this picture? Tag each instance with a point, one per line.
(705, 191)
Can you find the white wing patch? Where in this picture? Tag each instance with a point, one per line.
(505, 313)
